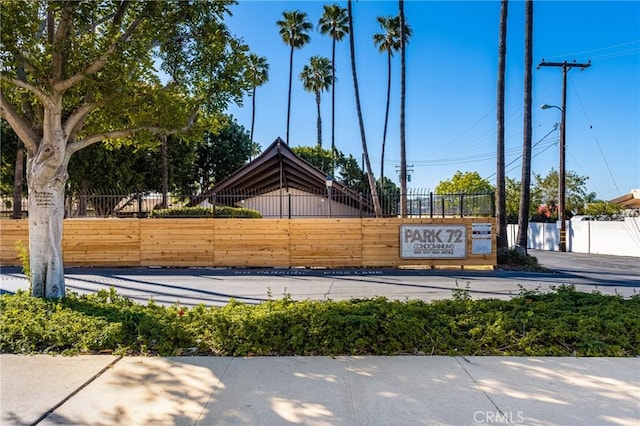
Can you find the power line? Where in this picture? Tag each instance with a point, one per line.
(584, 111)
(598, 49)
(555, 128)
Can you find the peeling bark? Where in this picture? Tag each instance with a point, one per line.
(47, 177)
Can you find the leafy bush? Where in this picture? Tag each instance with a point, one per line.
(512, 259)
(218, 211)
(25, 260)
(561, 323)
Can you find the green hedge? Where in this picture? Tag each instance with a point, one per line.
(561, 323)
(219, 211)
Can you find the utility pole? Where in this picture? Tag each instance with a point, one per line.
(565, 66)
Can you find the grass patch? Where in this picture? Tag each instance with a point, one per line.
(561, 323)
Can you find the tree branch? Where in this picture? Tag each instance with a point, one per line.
(90, 140)
(24, 85)
(78, 117)
(124, 5)
(58, 37)
(19, 125)
(99, 63)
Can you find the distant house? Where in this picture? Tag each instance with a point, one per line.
(280, 184)
(628, 201)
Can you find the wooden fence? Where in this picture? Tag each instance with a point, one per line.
(241, 242)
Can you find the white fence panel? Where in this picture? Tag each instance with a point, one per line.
(619, 238)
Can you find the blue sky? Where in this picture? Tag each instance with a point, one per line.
(451, 88)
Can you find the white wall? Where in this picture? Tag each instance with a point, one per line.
(303, 205)
(599, 237)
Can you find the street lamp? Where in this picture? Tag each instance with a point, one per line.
(561, 175)
(329, 183)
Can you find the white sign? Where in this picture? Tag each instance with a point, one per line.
(481, 238)
(433, 241)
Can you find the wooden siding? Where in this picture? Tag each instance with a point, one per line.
(343, 242)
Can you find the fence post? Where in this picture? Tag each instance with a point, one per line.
(213, 208)
(493, 204)
(461, 205)
(360, 203)
(289, 197)
(431, 205)
(442, 205)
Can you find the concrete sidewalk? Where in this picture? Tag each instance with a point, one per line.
(106, 390)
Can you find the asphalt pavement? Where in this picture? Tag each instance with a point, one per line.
(216, 286)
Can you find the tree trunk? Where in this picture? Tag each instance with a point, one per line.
(501, 206)
(83, 199)
(386, 117)
(17, 183)
(403, 91)
(47, 177)
(525, 190)
(333, 107)
(319, 120)
(289, 97)
(253, 110)
(365, 152)
(164, 155)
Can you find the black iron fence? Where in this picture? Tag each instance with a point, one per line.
(275, 204)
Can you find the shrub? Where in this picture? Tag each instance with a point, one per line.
(512, 259)
(220, 211)
(560, 323)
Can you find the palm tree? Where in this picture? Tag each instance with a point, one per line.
(257, 73)
(501, 203)
(365, 152)
(403, 91)
(525, 190)
(388, 41)
(316, 78)
(293, 30)
(334, 21)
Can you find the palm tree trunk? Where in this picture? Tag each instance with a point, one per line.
(319, 121)
(289, 97)
(525, 190)
(386, 117)
(253, 110)
(501, 206)
(403, 90)
(333, 107)
(365, 152)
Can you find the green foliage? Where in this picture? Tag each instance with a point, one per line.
(194, 165)
(219, 211)
(512, 259)
(316, 75)
(512, 200)
(547, 190)
(464, 183)
(217, 156)
(102, 59)
(23, 255)
(563, 322)
(10, 144)
(602, 209)
(347, 170)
